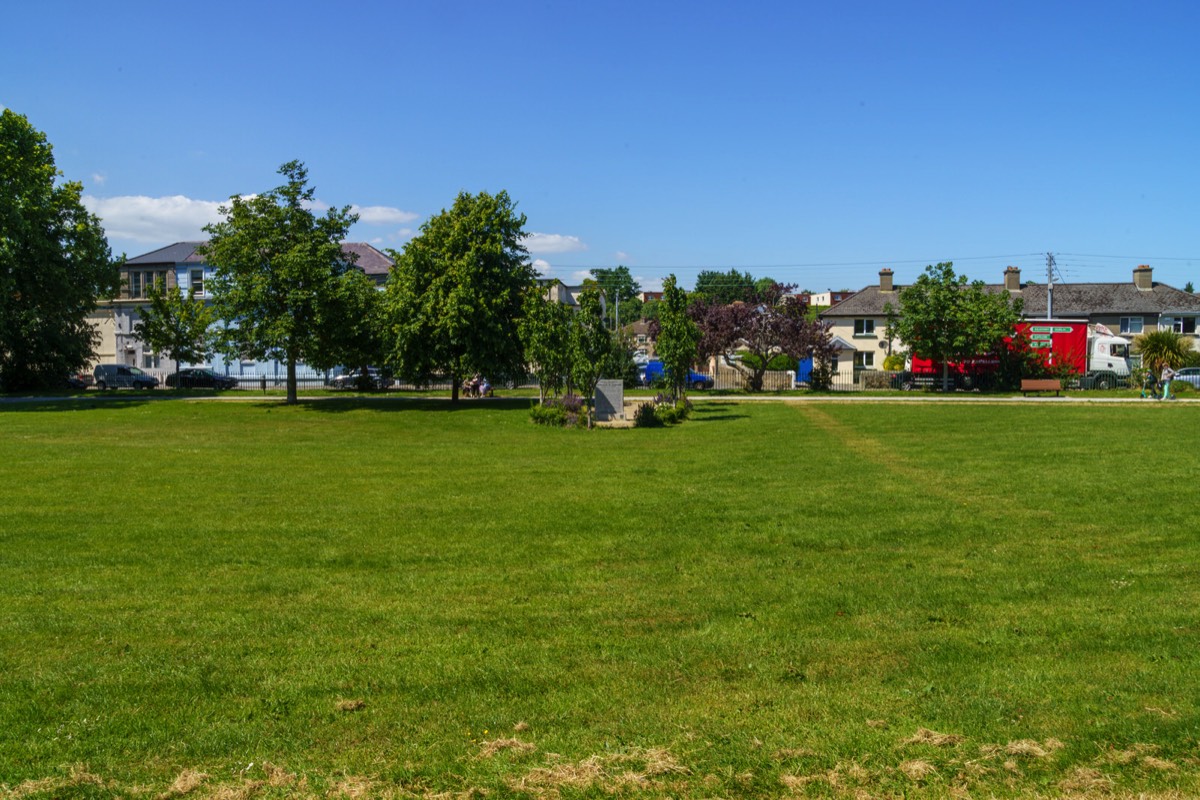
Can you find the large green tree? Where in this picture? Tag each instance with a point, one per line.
(177, 325)
(678, 336)
(591, 346)
(545, 329)
(55, 263)
(722, 288)
(278, 265)
(620, 293)
(456, 291)
(944, 318)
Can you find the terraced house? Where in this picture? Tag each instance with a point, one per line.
(859, 323)
(180, 266)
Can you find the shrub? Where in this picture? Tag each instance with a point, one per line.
(673, 415)
(560, 412)
(645, 417)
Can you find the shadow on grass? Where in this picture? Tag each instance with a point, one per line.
(389, 404)
(75, 402)
(715, 411)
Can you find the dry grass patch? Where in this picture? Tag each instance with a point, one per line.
(1160, 764)
(788, 753)
(521, 727)
(495, 746)
(796, 783)
(609, 773)
(1030, 748)
(187, 781)
(1087, 780)
(354, 787)
(926, 736)
(877, 724)
(917, 770)
(350, 705)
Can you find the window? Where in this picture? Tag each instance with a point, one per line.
(864, 360)
(149, 360)
(197, 283)
(1131, 324)
(135, 284)
(864, 327)
(1179, 324)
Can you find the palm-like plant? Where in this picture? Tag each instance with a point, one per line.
(1163, 347)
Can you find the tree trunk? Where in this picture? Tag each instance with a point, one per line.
(453, 387)
(291, 380)
(945, 376)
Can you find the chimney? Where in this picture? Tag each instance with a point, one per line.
(885, 280)
(1143, 277)
(1012, 279)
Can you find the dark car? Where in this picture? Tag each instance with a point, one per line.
(354, 379)
(79, 381)
(653, 371)
(200, 378)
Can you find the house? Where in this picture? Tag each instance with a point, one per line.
(647, 296)
(1126, 308)
(181, 267)
(825, 299)
(559, 292)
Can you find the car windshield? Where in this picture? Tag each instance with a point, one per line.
(136, 371)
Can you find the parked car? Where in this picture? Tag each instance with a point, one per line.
(79, 380)
(118, 376)
(1189, 375)
(654, 371)
(354, 379)
(200, 378)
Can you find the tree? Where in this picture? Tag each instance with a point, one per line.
(277, 268)
(766, 325)
(945, 319)
(455, 294)
(545, 329)
(351, 330)
(591, 346)
(55, 263)
(1187, 287)
(177, 325)
(677, 336)
(722, 288)
(1163, 347)
(621, 290)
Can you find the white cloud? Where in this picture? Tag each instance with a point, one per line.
(579, 276)
(99, 178)
(622, 256)
(153, 219)
(383, 215)
(649, 284)
(553, 243)
(543, 267)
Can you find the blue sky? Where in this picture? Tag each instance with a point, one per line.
(812, 142)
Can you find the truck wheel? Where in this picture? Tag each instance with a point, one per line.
(1105, 381)
(101, 385)
(698, 385)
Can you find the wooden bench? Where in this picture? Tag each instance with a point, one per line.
(1040, 385)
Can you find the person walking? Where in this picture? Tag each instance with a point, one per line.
(1165, 379)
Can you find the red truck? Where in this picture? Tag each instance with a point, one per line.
(1092, 352)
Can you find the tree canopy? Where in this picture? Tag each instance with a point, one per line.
(944, 318)
(722, 288)
(278, 266)
(456, 292)
(55, 263)
(591, 346)
(765, 325)
(545, 332)
(177, 325)
(620, 291)
(676, 335)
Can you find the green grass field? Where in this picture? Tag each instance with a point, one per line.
(396, 598)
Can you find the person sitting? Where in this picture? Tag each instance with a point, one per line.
(485, 388)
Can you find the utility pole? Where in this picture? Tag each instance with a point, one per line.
(1049, 285)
